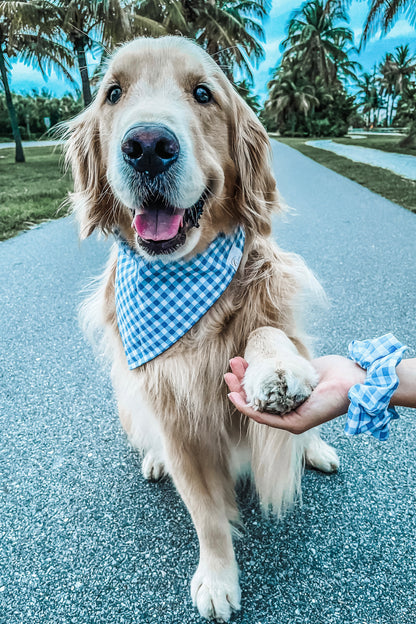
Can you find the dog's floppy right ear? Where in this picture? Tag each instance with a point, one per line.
(256, 186)
(83, 155)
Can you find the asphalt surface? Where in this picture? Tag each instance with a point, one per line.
(84, 539)
(31, 144)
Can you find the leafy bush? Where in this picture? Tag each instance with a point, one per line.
(33, 109)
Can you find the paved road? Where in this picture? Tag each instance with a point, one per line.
(85, 540)
(401, 164)
(31, 144)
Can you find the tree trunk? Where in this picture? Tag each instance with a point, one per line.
(83, 70)
(293, 123)
(19, 155)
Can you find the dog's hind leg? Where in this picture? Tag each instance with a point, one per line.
(318, 454)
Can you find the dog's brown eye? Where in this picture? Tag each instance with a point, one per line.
(202, 94)
(114, 94)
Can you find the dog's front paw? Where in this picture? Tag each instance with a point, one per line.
(278, 387)
(153, 468)
(216, 593)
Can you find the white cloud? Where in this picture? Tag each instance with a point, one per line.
(402, 28)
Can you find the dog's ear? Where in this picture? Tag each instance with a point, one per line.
(255, 192)
(90, 201)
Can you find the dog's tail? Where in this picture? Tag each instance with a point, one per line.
(277, 459)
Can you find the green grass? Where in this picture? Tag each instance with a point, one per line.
(33, 191)
(384, 143)
(391, 186)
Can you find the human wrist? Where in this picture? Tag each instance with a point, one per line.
(405, 394)
(354, 375)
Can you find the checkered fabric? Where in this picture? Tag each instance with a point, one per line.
(158, 302)
(369, 411)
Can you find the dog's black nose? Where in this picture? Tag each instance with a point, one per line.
(150, 148)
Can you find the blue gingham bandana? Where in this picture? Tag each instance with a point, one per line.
(158, 302)
(369, 411)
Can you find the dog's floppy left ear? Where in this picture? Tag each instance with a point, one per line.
(255, 187)
(90, 201)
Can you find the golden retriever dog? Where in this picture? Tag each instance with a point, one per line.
(166, 138)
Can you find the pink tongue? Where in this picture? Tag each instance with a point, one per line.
(157, 224)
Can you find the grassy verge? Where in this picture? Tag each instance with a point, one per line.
(30, 192)
(399, 190)
(383, 143)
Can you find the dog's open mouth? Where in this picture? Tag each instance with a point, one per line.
(161, 228)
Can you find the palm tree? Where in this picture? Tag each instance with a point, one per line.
(152, 17)
(289, 95)
(403, 67)
(396, 70)
(230, 30)
(87, 24)
(26, 32)
(370, 99)
(315, 39)
(383, 14)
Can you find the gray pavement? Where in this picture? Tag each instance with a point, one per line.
(401, 164)
(84, 539)
(31, 144)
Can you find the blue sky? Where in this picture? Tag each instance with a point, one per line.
(25, 78)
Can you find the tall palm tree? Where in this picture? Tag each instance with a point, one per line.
(396, 70)
(230, 30)
(26, 32)
(316, 39)
(370, 99)
(383, 14)
(403, 67)
(87, 24)
(289, 95)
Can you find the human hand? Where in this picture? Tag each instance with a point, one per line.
(327, 401)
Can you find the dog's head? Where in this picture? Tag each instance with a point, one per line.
(169, 153)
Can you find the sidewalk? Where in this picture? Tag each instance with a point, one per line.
(401, 164)
(31, 144)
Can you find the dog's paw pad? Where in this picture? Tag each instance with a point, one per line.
(216, 596)
(153, 469)
(270, 388)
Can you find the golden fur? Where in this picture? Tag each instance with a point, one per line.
(175, 407)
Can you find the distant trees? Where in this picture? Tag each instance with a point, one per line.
(307, 93)
(368, 97)
(37, 111)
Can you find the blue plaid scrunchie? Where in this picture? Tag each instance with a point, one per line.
(369, 411)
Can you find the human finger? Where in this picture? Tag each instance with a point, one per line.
(238, 366)
(232, 382)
